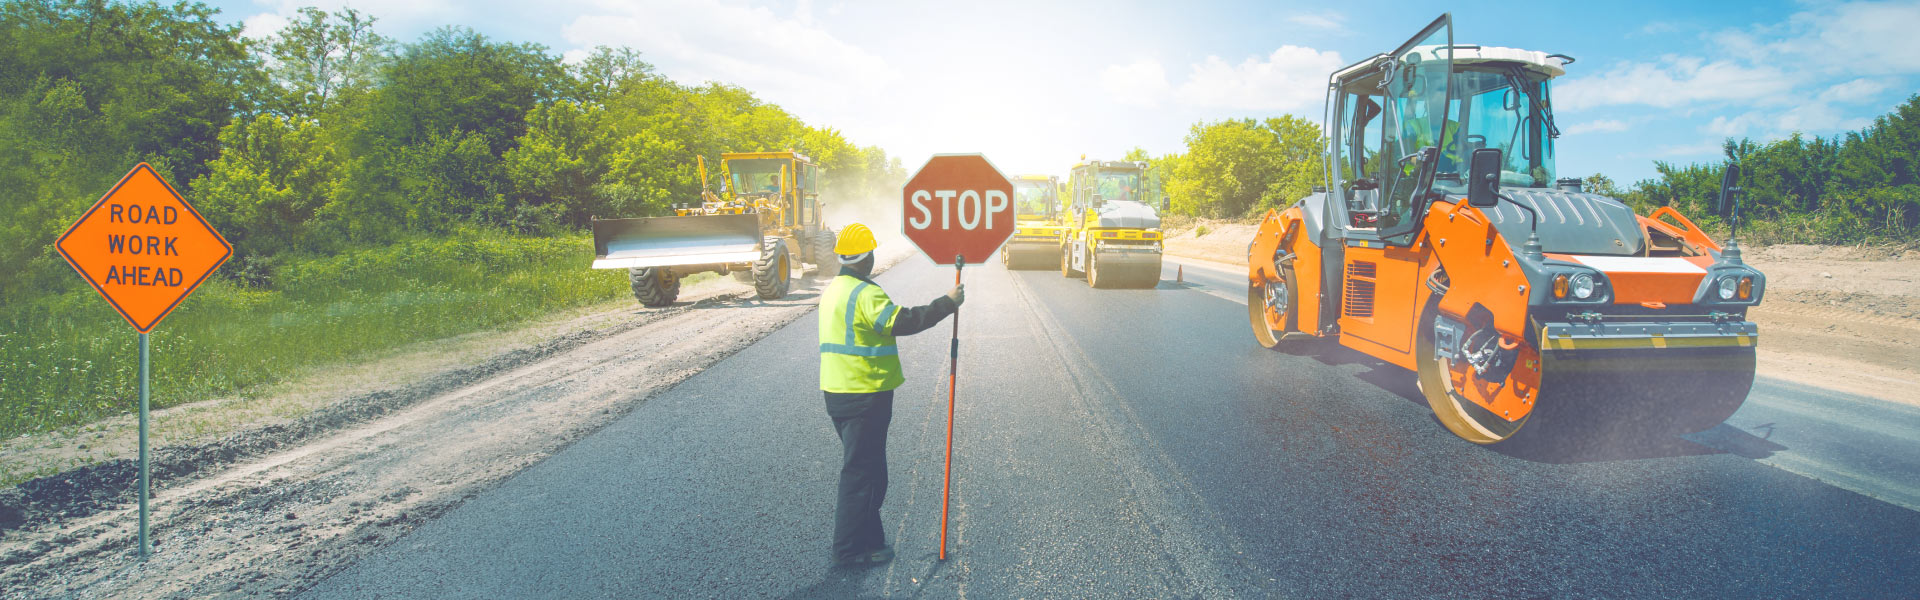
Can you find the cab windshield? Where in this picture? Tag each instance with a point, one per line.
(756, 176)
(1499, 107)
(1118, 185)
(1032, 198)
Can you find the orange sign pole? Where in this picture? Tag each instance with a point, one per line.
(953, 375)
(144, 249)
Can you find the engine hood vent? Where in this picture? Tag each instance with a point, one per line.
(1127, 213)
(1570, 222)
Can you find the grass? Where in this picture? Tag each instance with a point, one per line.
(68, 359)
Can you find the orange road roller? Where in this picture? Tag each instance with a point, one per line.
(1443, 244)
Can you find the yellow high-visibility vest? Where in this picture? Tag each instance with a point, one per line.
(857, 351)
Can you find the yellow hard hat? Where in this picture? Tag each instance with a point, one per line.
(855, 239)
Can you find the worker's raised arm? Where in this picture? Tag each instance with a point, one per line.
(912, 320)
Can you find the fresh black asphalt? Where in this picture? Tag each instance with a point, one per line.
(1139, 444)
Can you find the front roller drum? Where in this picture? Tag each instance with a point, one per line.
(1019, 255)
(1565, 397)
(1108, 270)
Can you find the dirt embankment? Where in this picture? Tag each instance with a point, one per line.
(1841, 318)
(264, 504)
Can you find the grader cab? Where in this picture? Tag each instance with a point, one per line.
(764, 217)
(1444, 244)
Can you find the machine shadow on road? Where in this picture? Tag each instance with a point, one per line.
(1581, 429)
(1633, 426)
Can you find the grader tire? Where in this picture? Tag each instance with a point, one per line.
(654, 287)
(827, 264)
(773, 272)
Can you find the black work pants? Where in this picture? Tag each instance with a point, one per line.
(861, 420)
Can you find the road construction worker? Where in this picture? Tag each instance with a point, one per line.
(859, 368)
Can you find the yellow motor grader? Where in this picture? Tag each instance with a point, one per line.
(1443, 244)
(766, 212)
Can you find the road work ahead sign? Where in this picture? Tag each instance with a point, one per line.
(143, 248)
(958, 205)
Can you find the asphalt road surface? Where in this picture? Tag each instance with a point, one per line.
(1138, 443)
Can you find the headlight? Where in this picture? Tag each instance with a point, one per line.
(1726, 287)
(1582, 285)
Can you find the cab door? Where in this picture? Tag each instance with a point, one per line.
(1381, 288)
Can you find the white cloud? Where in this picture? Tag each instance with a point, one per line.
(262, 26)
(1859, 37)
(1328, 20)
(1814, 117)
(783, 56)
(1292, 78)
(1854, 91)
(1734, 127)
(1659, 28)
(1677, 81)
(1601, 126)
(412, 15)
(1141, 83)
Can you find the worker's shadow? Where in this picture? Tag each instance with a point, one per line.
(849, 582)
(840, 582)
(836, 584)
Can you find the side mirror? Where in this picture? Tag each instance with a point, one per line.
(1729, 189)
(1483, 177)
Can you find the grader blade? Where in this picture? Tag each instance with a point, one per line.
(676, 241)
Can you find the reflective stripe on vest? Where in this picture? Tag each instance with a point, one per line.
(857, 349)
(849, 347)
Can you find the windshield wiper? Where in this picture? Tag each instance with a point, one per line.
(1542, 106)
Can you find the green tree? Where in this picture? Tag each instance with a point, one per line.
(319, 57)
(88, 89)
(273, 177)
(1238, 168)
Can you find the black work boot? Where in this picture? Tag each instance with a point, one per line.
(876, 557)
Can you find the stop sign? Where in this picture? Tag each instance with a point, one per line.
(957, 205)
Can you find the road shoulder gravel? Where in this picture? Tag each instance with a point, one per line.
(272, 508)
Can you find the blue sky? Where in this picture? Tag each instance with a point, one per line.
(1036, 84)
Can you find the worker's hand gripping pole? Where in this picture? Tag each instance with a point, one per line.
(953, 371)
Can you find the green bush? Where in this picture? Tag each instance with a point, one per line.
(67, 359)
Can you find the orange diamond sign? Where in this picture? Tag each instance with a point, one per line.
(143, 248)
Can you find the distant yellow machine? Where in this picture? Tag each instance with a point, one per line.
(767, 211)
(1038, 230)
(1113, 222)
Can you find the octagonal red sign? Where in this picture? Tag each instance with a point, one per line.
(957, 205)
